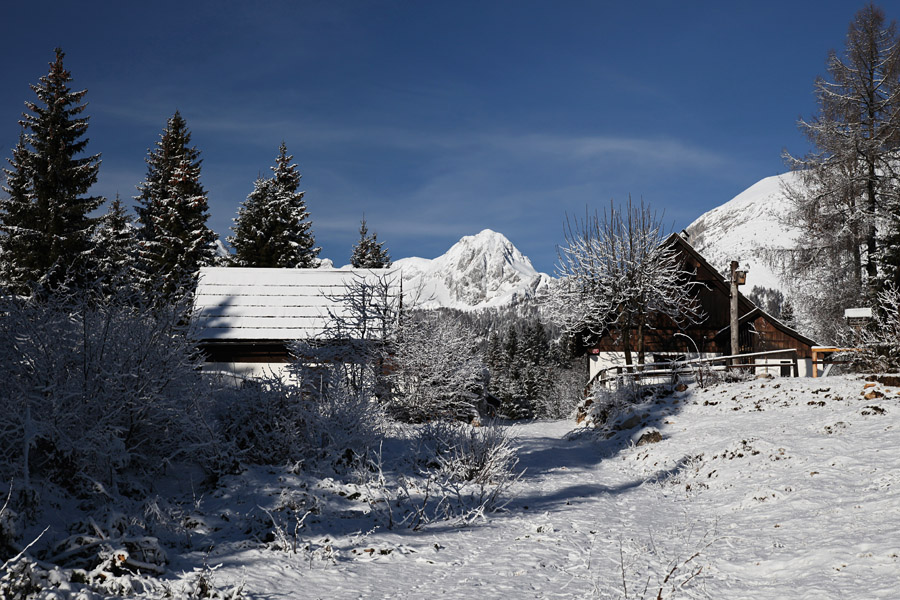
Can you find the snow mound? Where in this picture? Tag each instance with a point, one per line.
(746, 229)
(479, 271)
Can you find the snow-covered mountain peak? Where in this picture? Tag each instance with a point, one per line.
(747, 228)
(479, 271)
(490, 249)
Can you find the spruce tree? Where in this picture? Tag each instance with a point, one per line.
(16, 211)
(368, 252)
(174, 240)
(115, 249)
(273, 228)
(45, 230)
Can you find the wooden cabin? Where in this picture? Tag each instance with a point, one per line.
(248, 319)
(711, 337)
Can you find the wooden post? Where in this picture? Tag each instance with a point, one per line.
(735, 348)
(815, 358)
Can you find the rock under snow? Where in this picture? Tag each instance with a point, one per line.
(479, 271)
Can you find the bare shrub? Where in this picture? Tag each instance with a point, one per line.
(464, 473)
(436, 370)
(661, 566)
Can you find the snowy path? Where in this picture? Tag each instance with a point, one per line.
(786, 489)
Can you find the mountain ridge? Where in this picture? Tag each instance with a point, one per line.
(479, 271)
(748, 228)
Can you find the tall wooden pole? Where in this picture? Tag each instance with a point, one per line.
(735, 348)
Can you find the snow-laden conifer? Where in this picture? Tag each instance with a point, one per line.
(368, 252)
(172, 211)
(45, 230)
(115, 248)
(273, 228)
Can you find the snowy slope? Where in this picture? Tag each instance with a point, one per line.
(745, 227)
(479, 271)
(786, 488)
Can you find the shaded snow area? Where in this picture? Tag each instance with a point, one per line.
(746, 229)
(781, 488)
(479, 271)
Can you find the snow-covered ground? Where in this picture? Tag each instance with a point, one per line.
(782, 488)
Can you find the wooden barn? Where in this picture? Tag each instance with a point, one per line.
(247, 319)
(758, 331)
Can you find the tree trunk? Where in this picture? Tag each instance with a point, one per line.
(626, 344)
(871, 233)
(640, 342)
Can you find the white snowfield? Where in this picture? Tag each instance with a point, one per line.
(745, 227)
(784, 488)
(479, 271)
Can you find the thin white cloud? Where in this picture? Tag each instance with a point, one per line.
(660, 151)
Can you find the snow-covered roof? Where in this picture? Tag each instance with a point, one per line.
(235, 303)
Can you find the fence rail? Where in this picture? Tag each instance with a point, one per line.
(823, 351)
(669, 370)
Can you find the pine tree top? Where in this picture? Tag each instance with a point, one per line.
(287, 176)
(368, 252)
(272, 228)
(173, 211)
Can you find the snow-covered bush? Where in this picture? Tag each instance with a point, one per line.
(435, 370)
(262, 421)
(879, 343)
(566, 392)
(464, 472)
(19, 578)
(610, 408)
(23, 578)
(91, 389)
(271, 422)
(466, 452)
(604, 404)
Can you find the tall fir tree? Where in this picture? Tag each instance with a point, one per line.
(174, 239)
(273, 228)
(45, 230)
(368, 252)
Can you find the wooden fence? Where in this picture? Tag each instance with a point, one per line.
(823, 351)
(668, 371)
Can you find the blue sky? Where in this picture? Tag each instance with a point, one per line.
(439, 119)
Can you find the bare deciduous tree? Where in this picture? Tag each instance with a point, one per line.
(617, 276)
(848, 194)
